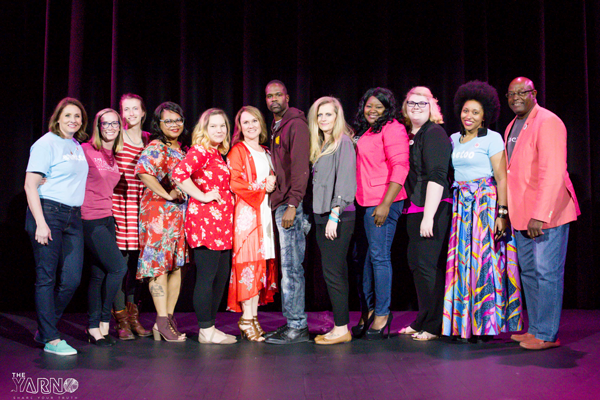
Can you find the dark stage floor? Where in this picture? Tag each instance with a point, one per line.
(398, 368)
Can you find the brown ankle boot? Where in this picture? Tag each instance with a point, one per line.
(123, 328)
(163, 328)
(173, 323)
(134, 321)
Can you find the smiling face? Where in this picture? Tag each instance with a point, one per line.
(522, 105)
(69, 121)
(109, 128)
(251, 129)
(374, 109)
(471, 115)
(132, 112)
(326, 117)
(216, 129)
(420, 111)
(171, 124)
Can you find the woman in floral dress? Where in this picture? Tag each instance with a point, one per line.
(162, 210)
(204, 176)
(254, 275)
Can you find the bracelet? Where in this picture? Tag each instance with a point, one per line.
(336, 220)
(334, 213)
(502, 212)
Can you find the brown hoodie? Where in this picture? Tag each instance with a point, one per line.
(290, 148)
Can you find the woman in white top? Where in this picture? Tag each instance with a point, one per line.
(253, 276)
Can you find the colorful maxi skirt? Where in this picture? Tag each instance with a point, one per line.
(483, 288)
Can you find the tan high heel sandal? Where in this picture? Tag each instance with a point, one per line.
(257, 326)
(250, 332)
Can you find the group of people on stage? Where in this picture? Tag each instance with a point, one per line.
(484, 214)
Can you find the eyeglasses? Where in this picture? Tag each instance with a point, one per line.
(172, 122)
(421, 104)
(510, 95)
(114, 124)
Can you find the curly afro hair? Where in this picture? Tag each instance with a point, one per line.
(483, 93)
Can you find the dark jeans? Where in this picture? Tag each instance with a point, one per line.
(107, 269)
(63, 255)
(131, 287)
(377, 277)
(212, 274)
(426, 260)
(335, 268)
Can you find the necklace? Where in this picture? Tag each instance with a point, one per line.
(131, 140)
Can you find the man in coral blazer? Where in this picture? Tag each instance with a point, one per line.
(541, 203)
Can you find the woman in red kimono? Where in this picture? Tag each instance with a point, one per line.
(253, 275)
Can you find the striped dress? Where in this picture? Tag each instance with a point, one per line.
(127, 195)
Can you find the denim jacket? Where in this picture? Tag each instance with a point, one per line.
(334, 178)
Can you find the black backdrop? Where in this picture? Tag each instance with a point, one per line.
(222, 53)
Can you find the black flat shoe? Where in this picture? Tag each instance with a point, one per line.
(110, 339)
(98, 342)
(379, 334)
(358, 331)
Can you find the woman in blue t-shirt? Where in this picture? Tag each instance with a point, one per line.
(53, 219)
(483, 291)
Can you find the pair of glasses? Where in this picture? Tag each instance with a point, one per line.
(510, 95)
(114, 124)
(421, 104)
(172, 122)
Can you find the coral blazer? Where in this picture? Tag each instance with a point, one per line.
(538, 183)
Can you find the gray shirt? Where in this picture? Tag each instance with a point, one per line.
(511, 141)
(334, 178)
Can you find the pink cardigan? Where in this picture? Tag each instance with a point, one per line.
(381, 158)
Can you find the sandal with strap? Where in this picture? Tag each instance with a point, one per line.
(250, 331)
(259, 328)
(407, 330)
(424, 336)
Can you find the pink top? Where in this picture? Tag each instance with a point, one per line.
(381, 158)
(102, 178)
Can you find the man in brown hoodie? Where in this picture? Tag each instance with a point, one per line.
(290, 146)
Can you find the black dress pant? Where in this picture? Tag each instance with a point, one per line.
(212, 274)
(335, 268)
(427, 262)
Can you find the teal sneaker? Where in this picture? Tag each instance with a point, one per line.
(61, 349)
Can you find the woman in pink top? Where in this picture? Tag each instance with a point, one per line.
(381, 169)
(108, 265)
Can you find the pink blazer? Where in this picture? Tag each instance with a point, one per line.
(538, 183)
(381, 158)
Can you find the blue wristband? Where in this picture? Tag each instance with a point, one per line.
(336, 220)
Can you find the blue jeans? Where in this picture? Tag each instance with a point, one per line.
(377, 276)
(65, 250)
(292, 242)
(108, 268)
(542, 262)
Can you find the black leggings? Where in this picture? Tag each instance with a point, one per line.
(212, 273)
(335, 268)
(426, 260)
(131, 287)
(108, 268)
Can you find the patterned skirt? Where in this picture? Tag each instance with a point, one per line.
(483, 288)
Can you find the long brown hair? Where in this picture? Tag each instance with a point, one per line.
(53, 127)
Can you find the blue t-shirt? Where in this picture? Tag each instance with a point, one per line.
(471, 160)
(63, 164)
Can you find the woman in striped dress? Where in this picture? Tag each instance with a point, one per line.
(126, 207)
(483, 290)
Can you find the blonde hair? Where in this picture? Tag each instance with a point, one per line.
(96, 139)
(435, 113)
(316, 135)
(200, 133)
(237, 130)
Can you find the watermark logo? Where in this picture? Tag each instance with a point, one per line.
(57, 386)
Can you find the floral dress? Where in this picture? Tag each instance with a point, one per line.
(207, 224)
(162, 238)
(253, 270)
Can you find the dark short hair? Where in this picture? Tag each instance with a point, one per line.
(80, 135)
(392, 111)
(278, 82)
(157, 133)
(484, 94)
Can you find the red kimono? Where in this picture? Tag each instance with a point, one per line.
(251, 274)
